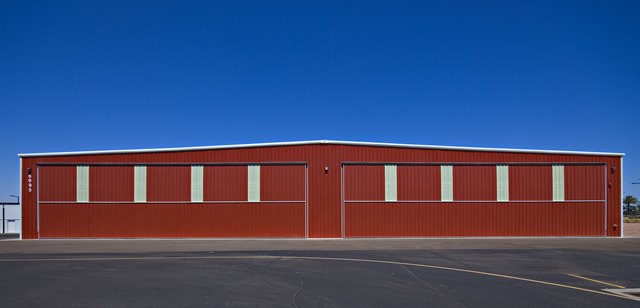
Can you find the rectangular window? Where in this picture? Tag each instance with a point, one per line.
(197, 176)
(390, 183)
(446, 182)
(502, 180)
(558, 182)
(82, 180)
(254, 183)
(140, 179)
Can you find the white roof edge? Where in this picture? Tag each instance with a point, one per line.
(276, 144)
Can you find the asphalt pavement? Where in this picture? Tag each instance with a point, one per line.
(458, 272)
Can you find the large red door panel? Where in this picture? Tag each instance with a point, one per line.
(177, 220)
(364, 182)
(419, 183)
(111, 183)
(530, 183)
(474, 183)
(450, 219)
(282, 183)
(584, 182)
(57, 183)
(225, 183)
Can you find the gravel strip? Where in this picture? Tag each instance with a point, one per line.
(632, 230)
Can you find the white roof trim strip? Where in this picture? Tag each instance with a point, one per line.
(277, 144)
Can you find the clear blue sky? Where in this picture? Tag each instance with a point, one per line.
(107, 75)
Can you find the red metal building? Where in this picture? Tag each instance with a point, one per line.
(320, 189)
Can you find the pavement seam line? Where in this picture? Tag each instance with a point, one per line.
(598, 281)
(331, 259)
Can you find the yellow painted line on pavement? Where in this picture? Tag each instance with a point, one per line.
(598, 281)
(330, 259)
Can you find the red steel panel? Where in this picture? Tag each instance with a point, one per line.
(177, 220)
(168, 183)
(282, 183)
(225, 183)
(530, 183)
(364, 182)
(419, 183)
(474, 183)
(58, 183)
(584, 182)
(450, 219)
(111, 183)
(324, 203)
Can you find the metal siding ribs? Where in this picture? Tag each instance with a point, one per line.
(58, 183)
(172, 220)
(530, 183)
(451, 219)
(584, 182)
(111, 183)
(225, 183)
(282, 183)
(168, 183)
(364, 182)
(417, 182)
(477, 217)
(474, 183)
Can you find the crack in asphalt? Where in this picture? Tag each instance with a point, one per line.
(277, 258)
(429, 285)
(296, 294)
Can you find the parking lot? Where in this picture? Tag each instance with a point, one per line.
(448, 272)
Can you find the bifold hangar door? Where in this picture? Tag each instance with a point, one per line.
(442, 200)
(172, 201)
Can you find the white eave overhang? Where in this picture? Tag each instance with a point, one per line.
(278, 144)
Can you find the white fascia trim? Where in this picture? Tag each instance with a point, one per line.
(278, 144)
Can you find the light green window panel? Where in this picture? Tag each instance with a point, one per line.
(254, 183)
(502, 178)
(197, 178)
(390, 183)
(140, 179)
(82, 183)
(558, 182)
(446, 182)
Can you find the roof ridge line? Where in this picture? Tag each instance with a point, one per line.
(293, 143)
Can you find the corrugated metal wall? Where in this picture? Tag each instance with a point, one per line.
(584, 182)
(364, 182)
(324, 203)
(225, 183)
(61, 183)
(108, 183)
(416, 182)
(474, 183)
(479, 214)
(171, 220)
(450, 219)
(282, 183)
(168, 211)
(168, 183)
(530, 183)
